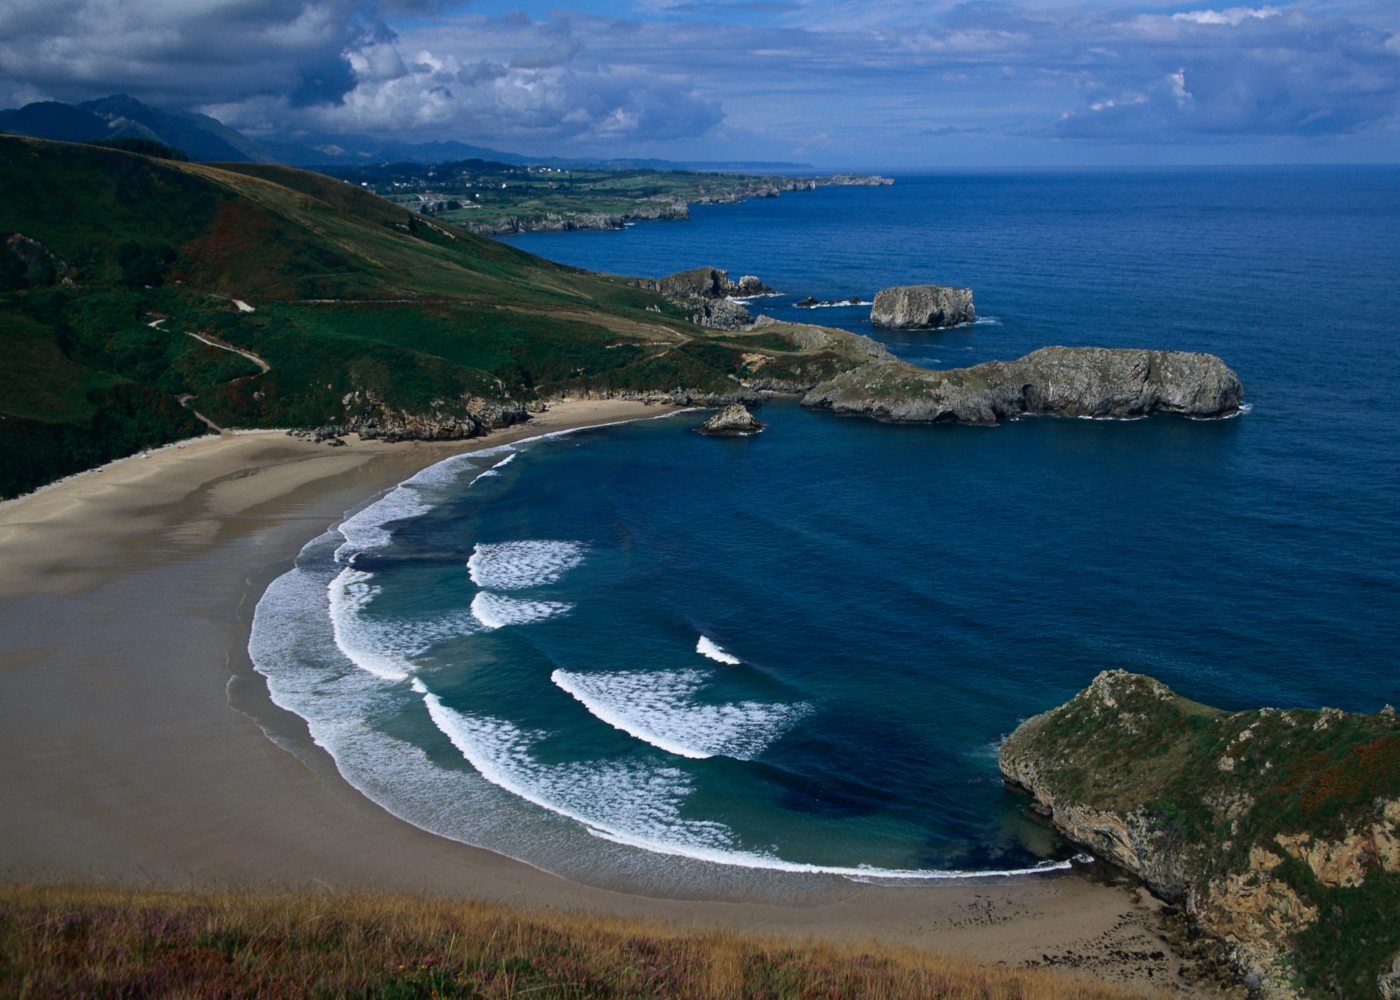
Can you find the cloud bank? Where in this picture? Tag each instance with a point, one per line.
(832, 80)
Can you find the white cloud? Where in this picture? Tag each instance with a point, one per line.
(1232, 17)
(751, 74)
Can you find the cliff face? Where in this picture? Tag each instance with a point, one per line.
(1053, 381)
(1277, 831)
(922, 307)
(705, 292)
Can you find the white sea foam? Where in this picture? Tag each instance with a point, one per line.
(986, 321)
(838, 305)
(524, 564)
(658, 708)
(631, 804)
(385, 648)
(366, 530)
(1244, 408)
(495, 470)
(708, 647)
(295, 646)
(497, 611)
(348, 595)
(753, 298)
(613, 799)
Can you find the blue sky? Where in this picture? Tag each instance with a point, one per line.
(895, 84)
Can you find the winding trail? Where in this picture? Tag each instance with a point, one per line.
(224, 345)
(263, 367)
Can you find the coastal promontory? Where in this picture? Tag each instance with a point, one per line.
(1277, 831)
(922, 307)
(1053, 381)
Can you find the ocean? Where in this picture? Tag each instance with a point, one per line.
(758, 668)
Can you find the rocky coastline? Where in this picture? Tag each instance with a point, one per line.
(1276, 831)
(668, 209)
(1053, 381)
(854, 375)
(707, 294)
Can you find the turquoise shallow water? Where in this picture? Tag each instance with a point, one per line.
(643, 658)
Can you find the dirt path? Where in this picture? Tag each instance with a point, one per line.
(222, 345)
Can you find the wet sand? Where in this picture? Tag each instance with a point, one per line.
(125, 601)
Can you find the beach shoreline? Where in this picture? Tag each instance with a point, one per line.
(137, 738)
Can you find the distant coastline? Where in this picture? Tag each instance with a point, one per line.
(673, 211)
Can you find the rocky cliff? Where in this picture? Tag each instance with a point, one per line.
(922, 307)
(704, 292)
(1277, 831)
(1053, 381)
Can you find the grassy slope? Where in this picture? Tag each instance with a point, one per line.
(351, 293)
(1290, 772)
(106, 942)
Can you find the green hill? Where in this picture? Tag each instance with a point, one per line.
(1278, 831)
(127, 284)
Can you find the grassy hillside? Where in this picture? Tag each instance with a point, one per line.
(127, 283)
(106, 942)
(1278, 829)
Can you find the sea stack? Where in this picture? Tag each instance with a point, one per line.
(922, 307)
(732, 421)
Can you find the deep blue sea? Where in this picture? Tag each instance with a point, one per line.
(747, 668)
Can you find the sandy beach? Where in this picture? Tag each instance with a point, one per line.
(126, 595)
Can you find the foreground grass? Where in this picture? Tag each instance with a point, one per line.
(111, 942)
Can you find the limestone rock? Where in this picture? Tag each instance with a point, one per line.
(720, 314)
(706, 292)
(732, 421)
(922, 307)
(1053, 381)
(1131, 771)
(705, 282)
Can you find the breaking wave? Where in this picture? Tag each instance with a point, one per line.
(659, 708)
(521, 565)
(708, 647)
(497, 611)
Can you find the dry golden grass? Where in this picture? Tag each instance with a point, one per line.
(116, 943)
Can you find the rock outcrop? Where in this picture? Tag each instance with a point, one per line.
(1053, 381)
(446, 420)
(704, 282)
(922, 307)
(733, 421)
(706, 293)
(1277, 831)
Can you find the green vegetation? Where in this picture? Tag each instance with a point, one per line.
(108, 942)
(1297, 808)
(146, 147)
(128, 281)
(488, 197)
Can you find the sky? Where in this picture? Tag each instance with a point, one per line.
(895, 84)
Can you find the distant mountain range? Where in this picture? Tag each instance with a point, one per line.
(208, 140)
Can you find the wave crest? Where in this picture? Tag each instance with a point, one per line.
(708, 647)
(522, 565)
(659, 708)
